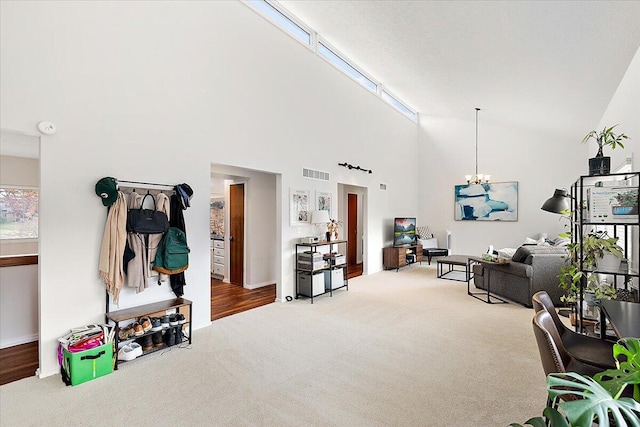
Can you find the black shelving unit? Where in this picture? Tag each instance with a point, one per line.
(330, 265)
(585, 221)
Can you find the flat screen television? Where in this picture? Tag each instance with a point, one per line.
(404, 231)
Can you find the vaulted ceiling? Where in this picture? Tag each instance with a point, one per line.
(550, 64)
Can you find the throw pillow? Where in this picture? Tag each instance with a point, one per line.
(428, 243)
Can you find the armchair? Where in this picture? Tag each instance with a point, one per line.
(430, 247)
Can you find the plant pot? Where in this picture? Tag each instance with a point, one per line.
(608, 262)
(599, 165)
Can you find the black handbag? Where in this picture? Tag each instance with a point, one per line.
(147, 221)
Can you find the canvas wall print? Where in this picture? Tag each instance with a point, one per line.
(486, 202)
(300, 207)
(323, 201)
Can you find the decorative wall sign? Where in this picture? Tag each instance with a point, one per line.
(495, 201)
(300, 207)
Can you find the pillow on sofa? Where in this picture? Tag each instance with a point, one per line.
(428, 243)
(506, 252)
(524, 251)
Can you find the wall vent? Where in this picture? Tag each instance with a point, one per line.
(313, 174)
(383, 186)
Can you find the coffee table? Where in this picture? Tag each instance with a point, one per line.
(452, 261)
(488, 266)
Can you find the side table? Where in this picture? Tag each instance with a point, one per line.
(488, 266)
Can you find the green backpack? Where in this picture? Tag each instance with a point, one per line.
(173, 253)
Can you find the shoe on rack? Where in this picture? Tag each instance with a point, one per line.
(156, 324)
(164, 321)
(125, 332)
(179, 336)
(180, 318)
(146, 342)
(173, 321)
(157, 339)
(138, 330)
(170, 337)
(130, 351)
(146, 323)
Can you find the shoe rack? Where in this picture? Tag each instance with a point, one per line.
(156, 309)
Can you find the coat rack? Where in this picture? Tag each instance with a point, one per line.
(145, 185)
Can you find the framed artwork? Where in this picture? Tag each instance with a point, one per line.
(300, 208)
(323, 201)
(495, 201)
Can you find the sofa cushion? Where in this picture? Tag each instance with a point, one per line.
(524, 252)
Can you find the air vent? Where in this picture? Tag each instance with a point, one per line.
(383, 186)
(313, 174)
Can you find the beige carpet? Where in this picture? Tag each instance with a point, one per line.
(397, 349)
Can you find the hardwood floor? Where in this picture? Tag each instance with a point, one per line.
(17, 362)
(354, 270)
(228, 299)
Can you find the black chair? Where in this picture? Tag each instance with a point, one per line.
(553, 355)
(430, 247)
(590, 350)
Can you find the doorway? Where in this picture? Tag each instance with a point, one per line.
(245, 258)
(353, 208)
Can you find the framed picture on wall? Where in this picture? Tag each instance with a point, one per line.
(300, 207)
(486, 202)
(323, 201)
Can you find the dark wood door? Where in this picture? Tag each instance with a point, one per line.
(352, 228)
(236, 234)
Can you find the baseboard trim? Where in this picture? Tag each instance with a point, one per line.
(22, 340)
(258, 285)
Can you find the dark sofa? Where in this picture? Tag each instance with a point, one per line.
(532, 268)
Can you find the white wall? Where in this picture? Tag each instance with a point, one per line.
(539, 161)
(624, 110)
(156, 92)
(18, 305)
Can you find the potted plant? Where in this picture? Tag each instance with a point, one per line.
(600, 399)
(333, 226)
(589, 255)
(601, 165)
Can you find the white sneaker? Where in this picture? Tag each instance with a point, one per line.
(130, 351)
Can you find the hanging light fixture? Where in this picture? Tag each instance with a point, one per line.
(478, 177)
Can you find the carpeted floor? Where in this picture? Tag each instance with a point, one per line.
(397, 349)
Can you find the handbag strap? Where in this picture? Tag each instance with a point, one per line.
(152, 198)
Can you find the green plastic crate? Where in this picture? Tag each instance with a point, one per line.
(89, 364)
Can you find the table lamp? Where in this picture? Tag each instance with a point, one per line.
(320, 217)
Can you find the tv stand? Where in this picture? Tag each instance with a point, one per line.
(396, 256)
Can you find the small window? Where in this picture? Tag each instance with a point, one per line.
(399, 105)
(284, 20)
(330, 55)
(18, 213)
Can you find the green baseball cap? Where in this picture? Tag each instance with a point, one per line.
(107, 189)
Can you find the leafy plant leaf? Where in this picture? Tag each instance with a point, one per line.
(595, 403)
(627, 354)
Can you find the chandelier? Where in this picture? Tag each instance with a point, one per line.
(478, 178)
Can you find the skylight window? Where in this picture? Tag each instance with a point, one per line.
(399, 105)
(330, 55)
(284, 21)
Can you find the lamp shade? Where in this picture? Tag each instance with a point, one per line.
(320, 217)
(558, 203)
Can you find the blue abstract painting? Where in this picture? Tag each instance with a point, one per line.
(487, 202)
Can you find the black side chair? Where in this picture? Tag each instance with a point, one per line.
(430, 246)
(590, 350)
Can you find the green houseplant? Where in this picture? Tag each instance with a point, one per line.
(601, 165)
(585, 256)
(600, 398)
